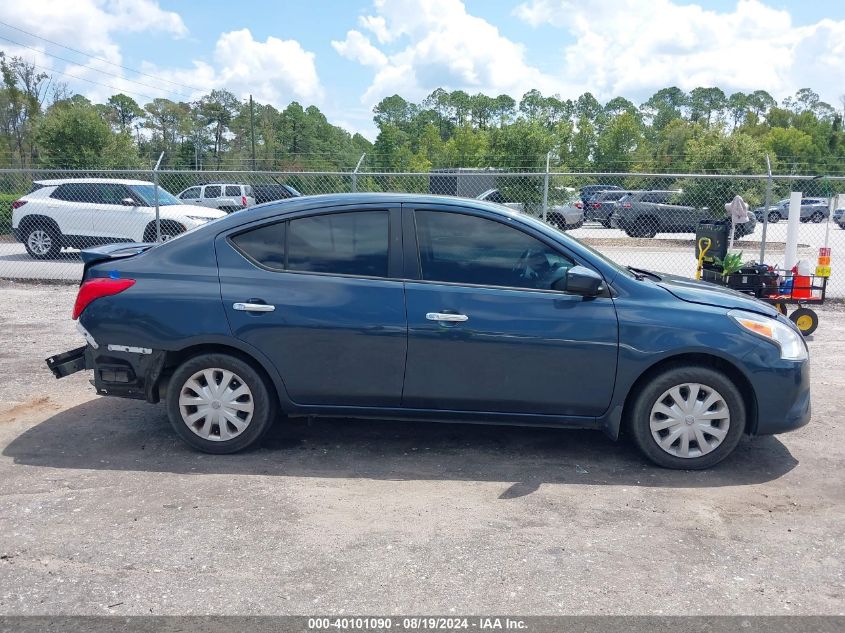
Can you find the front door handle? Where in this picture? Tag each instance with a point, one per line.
(446, 316)
(253, 307)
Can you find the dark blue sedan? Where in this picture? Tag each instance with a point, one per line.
(428, 308)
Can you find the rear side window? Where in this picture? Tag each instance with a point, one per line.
(212, 191)
(657, 197)
(264, 245)
(233, 190)
(248, 190)
(352, 243)
(74, 192)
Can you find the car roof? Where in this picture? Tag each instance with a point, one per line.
(87, 181)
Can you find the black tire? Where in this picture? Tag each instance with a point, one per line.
(644, 227)
(774, 217)
(42, 241)
(638, 417)
(806, 320)
(169, 230)
(817, 217)
(261, 397)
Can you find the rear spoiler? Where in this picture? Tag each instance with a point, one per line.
(121, 250)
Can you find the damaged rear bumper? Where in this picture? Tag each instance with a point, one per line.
(123, 371)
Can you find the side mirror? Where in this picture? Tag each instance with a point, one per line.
(128, 202)
(580, 280)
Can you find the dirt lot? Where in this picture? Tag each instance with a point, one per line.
(103, 511)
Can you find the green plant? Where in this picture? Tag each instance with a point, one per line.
(6, 200)
(730, 263)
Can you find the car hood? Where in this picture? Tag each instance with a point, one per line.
(192, 209)
(707, 293)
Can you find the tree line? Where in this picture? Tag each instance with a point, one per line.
(42, 124)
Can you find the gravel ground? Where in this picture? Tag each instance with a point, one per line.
(103, 511)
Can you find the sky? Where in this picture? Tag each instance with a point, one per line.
(345, 55)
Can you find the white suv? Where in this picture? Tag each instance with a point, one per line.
(227, 197)
(78, 213)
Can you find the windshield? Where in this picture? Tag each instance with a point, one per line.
(147, 194)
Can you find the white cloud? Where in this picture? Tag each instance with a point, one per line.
(274, 71)
(437, 43)
(89, 24)
(358, 48)
(633, 48)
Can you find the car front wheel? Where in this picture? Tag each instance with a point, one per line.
(218, 403)
(687, 418)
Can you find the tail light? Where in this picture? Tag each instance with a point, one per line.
(96, 288)
(243, 201)
(597, 205)
(578, 205)
(626, 205)
(17, 204)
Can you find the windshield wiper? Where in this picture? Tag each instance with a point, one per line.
(640, 274)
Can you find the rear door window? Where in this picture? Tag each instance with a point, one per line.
(74, 192)
(352, 243)
(264, 245)
(211, 191)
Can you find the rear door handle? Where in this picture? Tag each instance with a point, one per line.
(253, 307)
(446, 316)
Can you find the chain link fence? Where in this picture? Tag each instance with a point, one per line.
(644, 220)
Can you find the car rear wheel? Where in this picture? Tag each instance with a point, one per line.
(41, 242)
(218, 403)
(817, 217)
(774, 217)
(687, 418)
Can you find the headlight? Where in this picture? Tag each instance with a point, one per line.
(791, 343)
(198, 218)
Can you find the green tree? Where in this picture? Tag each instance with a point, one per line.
(123, 111)
(72, 135)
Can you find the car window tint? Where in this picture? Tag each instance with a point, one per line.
(109, 193)
(192, 193)
(352, 243)
(265, 245)
(74, 192)
(212, 191)
(467, 249)
(233, 190)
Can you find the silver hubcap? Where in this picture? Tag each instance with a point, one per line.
(690, 420)
(216, 404)
(39, 242)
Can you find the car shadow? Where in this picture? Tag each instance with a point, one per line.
(125, 435)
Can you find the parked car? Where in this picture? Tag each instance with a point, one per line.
(563, 216)
(270, 192)
(588, 191)
(76, 213)
(419, 307)
(227, 197)
(812, 210)
(839, 217)
(494, 195)
(647, 213)
(601, 205)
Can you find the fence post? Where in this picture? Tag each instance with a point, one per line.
(355, 173)
(766, 209)
(155, 195)
(546, 187)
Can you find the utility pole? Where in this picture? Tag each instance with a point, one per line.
(252, 130)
